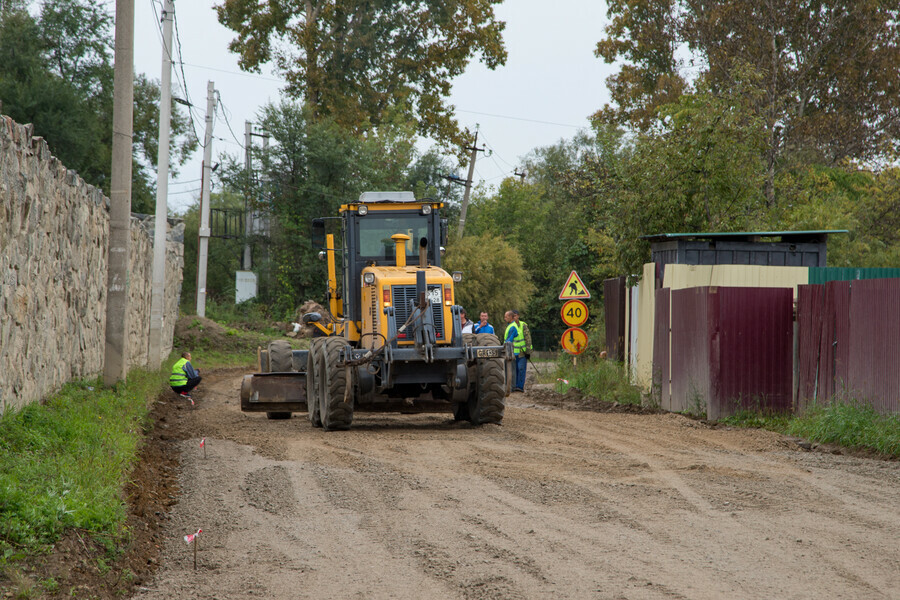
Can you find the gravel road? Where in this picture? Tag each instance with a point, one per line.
(555, 503)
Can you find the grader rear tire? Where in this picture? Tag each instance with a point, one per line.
(281, 357)
(486, 403)
(336, 411)
(312, 381)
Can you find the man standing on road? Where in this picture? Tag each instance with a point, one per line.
(482, 326)
(184, 376)
(515, 335)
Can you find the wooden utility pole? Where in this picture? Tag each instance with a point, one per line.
(465, 203)
(115, 364)
(203, 246)
(158, 290)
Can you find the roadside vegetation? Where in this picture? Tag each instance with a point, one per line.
(600, 378)
(845, 422)
(63, 462)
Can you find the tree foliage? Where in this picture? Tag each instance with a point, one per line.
(826, 70)
(362, 64)
(494, 277)
(309, 169)
(56, 71)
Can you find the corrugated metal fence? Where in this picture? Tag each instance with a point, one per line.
(722, 349)
(614, 312)
(849, 342)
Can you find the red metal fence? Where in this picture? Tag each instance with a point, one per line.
(729, 348)
(614, 312)
(849, 342)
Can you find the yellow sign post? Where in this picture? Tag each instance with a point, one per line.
(574, 289)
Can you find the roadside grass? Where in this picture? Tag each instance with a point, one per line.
(63, 462)
(845, 422)
(249, 316)
(600, 378)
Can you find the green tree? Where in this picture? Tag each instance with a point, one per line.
(56, 72)
(311, 167)
(494, 277)
(827, 70)
(362, 64)
(700, 171)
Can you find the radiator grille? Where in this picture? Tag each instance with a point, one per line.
(402, 294)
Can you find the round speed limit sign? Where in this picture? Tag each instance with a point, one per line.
(574, 313)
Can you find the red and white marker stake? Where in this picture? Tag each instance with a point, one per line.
(566, 381)
(203, 445)
(193, 537)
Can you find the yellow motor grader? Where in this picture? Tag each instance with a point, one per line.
(395, 343)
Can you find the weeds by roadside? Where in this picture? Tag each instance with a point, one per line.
(63, 461)
(596, 377)
(845, 422)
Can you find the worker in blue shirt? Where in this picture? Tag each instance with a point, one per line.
(515, 335)
(482, 326)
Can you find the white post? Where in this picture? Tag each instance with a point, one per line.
(203, 237)
(157, 294)
(248, 224)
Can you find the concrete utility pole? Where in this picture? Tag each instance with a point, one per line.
(115, 364)
(465, 203)
(246, 264)
(203, 246)
(158, 291)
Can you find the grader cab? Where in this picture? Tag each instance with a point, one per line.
(396, 343)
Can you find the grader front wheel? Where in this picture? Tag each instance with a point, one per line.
(313, 360)
(337, 405)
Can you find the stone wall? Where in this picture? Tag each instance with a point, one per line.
(54, 232)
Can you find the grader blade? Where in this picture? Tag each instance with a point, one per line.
(274, 392)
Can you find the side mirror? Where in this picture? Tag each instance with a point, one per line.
(445, 231)
(317, 236)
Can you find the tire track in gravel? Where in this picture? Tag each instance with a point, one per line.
(553, 504)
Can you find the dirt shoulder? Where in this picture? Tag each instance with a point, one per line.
(561, 501)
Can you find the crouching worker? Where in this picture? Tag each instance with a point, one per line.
(184, 376)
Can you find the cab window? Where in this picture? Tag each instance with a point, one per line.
(375, 234)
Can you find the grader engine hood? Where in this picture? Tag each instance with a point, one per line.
(392, 302)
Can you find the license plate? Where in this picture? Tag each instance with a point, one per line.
(487, 352)
(434, 296)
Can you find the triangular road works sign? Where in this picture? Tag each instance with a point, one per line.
(574, 289)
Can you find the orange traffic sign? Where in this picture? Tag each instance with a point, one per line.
(574, 288)
(574, 340)
(574, 313)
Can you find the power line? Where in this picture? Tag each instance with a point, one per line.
(225, 112)
(472, 112)
(183, 80)
(242, 73)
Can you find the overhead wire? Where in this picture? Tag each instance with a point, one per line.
(183, 80)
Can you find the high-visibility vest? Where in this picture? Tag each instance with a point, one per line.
(519, 340)
(178, 376)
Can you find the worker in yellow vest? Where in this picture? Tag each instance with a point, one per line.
(184, 377)
(516, 335)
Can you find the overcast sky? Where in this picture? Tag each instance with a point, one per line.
(549, 86)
